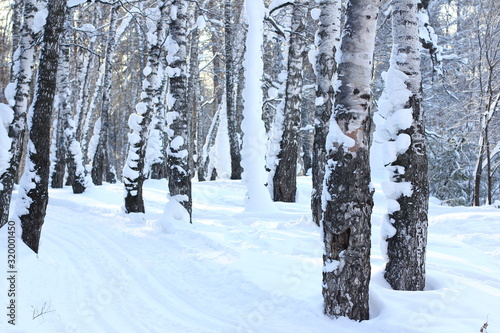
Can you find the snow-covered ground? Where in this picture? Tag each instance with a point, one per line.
(101, 270)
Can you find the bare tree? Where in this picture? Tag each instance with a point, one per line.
(403, 131)
(23, 63)
(328, 38)
(100, 162)
(285, 174)
(134, 172)
(233, 131)
(347, 198)
(179, 175)
(33, 191)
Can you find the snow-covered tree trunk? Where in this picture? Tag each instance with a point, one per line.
(232, 122)
(100, 167)
(23, 73)
(254, 133)
(179, 177)
(204, 170)
(428, 38)
(405, 226)
(33, 191)
(82, 105)
(327, 40)
(72, 148)
(347, 194)
(134, 172)
(285, 174)
(194, 91)
(156, 150)
(17, 7)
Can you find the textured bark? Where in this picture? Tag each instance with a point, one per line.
(232, 122)
(36, 174)
(59, 151)
(285, 175)
(134, 172)
(24, 76)
(17, 7)
(194, 94)
(74, 161)
(83, 99)
(348, 198)
(179, 180)
(405, 269)
(326, 71)
(100, 165)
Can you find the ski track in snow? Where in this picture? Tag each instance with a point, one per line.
(101, 270)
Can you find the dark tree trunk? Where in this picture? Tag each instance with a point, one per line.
(285, 176)
(34, 192)
(348, 196)
(59, 161)
(476, 196)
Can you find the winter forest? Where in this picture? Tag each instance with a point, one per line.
(250, 165)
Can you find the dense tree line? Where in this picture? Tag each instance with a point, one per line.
(262, 91)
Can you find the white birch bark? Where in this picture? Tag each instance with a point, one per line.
(23, 73)
(347, 195)
(404, 232)
(327, 42)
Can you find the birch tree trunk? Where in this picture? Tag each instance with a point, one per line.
(23, 73)
(33, 191)
(328, 38)
(285, 175)
(407, 190)
(194, 93)
(254, 134)
(204, 171)
(58, 162)
(73, 150)
(347, 199)
(179, 177)
(99, 162)
(17, 7)
(134, 173)
(232, 122)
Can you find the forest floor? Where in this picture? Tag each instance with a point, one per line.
(101, 270)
